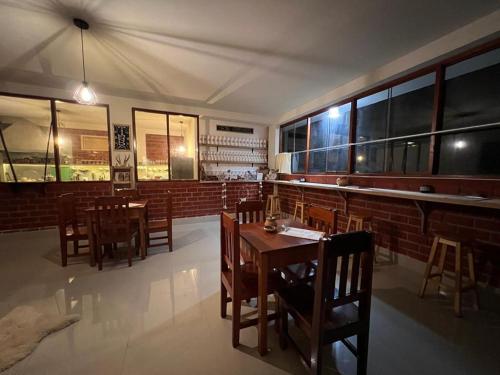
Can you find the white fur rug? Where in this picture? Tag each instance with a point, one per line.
(23, 328)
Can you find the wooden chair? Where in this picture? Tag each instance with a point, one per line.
(131, 194)
(161, 225)
(236, 280)
(459, 243)
(113, 225)
(322, 219)
(250, 212)
(69, 229)
(327, 312)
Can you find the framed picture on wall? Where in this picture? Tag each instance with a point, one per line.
(122, 137)
(122, 176)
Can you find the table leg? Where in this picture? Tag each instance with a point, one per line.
(142, 233)
(90, 233)
(262, 304)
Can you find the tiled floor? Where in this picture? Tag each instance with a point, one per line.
(161, 316)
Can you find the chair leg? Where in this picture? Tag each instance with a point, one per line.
(283, 326)
(129, 252)
(223, 301)
(362, 350)
(428, 268)
(458, 280)
(472, 277)
(170, 240)
(236, 321)
(316, 357)
(442, 259)
(64, 253)
(99, 257)
(75, 247)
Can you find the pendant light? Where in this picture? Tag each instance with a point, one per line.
(84, 94)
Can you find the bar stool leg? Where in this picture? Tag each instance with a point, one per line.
(349, 221)
(458, 280)
(428, 267)
(472, 277)
(442, 259)
(295, 211)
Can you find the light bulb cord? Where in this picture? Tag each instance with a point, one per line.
(83, 56)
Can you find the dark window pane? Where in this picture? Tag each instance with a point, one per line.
(371, 121)
(370, 158)
(408, 156)
(301, 136)
(27, 132)
(317, 161)
(336, 160)
(299, 162)
(287, 136)
(340, 118)
(319, 130)
(470, 153)
(472, 91)
(411, 104)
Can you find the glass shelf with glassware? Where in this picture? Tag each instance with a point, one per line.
(232, 142)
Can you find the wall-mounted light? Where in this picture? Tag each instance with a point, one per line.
(334, 112)
(84, 94)
(460, 145)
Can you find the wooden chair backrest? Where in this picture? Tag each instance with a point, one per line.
(323, 219)
(250, 212)
(113, 221)
(230, 246)
(354, 252)
(66, 212)
(131, 194)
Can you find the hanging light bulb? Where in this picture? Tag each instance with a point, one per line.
(84, 94)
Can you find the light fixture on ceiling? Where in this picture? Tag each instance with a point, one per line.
(84, 94)
(334, 112)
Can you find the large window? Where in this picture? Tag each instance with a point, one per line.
(390, 127)
(27, 133)
(329, 140)
(166, 146)
(472, 117)
(26, 140)
(83, 140)
(294, 138)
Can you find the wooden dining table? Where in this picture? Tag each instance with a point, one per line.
(138, 212)
(273, 250)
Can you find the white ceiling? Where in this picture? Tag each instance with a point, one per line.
(260, 57)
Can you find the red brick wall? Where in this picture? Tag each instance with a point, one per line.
(157, 146)
(195, 198)
(80, 156)
(402, 218)
(32, 206)
(24, 207)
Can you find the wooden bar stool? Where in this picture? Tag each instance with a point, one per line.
(300, 206)
(358, 222)
(273, 207)
(445, 240)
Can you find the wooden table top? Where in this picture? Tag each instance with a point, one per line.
(265, 242)
(137, 203)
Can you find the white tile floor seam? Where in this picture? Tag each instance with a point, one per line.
(162, 316)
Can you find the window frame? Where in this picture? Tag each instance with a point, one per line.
(167, 114)
(436, 122)
(53, 125)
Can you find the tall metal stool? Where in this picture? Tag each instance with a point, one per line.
(458, 242)
(273, 206)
